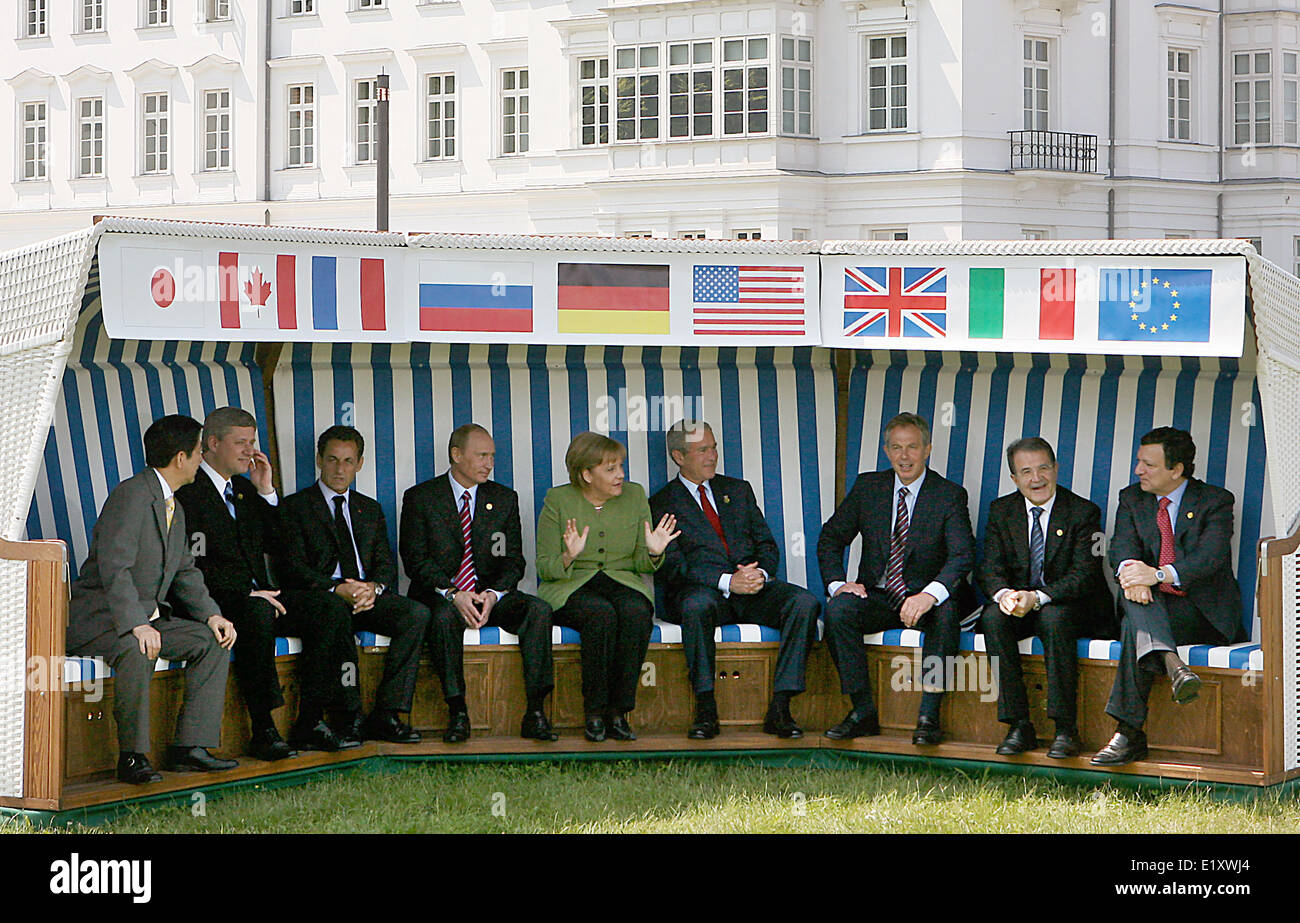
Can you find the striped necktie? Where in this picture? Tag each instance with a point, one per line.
(1037, 549)
(466, 579)
(1166, 527)
(894, 583)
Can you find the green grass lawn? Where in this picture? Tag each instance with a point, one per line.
(697, 797)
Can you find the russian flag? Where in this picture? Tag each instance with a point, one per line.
(476, 296)
(259, 290)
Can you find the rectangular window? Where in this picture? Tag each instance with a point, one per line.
(92, 16)
(216, 130)
(637, 234)
(1178, 82)
(34, 22)
(690, 90)
(514, 111)
(796, 86)
(156, 13)
(1035, 234)
(1288, 97)
(1036, 86)
(744, 86)
(889, 234)
(751, 234)
(636, 90)
(593, 101)
(301, 7)
(1295, 246)
(370, 4)
(90, 137)
(440, 117)
(887, 82)
(699, 235)
(367, 114)
(34, 137)
(156, 133)
(302, 126)
(218, 10)
(1252, 98)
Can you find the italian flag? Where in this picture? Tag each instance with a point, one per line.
(1021, 304)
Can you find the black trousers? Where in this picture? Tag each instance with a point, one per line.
(516, 612)
(1165, 624)
(206, 668)
(404, 620)
(849, 617)
(790, 608)
(1055, 626)
(615, 622)
(327, 644)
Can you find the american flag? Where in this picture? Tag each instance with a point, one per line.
(749, 300)
(895, 301)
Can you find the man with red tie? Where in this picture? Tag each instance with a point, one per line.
(1172, 555)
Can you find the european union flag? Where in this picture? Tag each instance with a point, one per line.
(1158, 305)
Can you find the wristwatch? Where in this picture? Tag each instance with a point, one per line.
(1162, 575)
(449, 594)
(379, 589)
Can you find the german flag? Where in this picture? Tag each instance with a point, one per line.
(613, 298)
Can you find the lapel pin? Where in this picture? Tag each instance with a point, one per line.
(726, 499)
(239, 496)
(1060, 532)
(1189, 515)
(489, 506)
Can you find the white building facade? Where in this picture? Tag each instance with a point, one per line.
(926, 119)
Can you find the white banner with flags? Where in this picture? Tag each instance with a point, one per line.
(176, 288)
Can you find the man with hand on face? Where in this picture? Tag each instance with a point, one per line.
(462, 547)
(336, 554)
(720, 571)
(1042, 571)
(1172, 555)
(917, 549)
(120, 609)
(233, 522)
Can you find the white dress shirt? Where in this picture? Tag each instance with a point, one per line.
(1043, 598)
(459, 490)
(724, 581)
(329, 494)
(1175, 502)
(222, 483)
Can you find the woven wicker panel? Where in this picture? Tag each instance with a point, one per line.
(13, 651)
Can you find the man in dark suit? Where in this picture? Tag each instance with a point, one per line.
(720, 571)
(1172, 554)
(233, 521)
(917, 549)
(139, 556)
(1042, 571)
(463, 550)
(335, 553)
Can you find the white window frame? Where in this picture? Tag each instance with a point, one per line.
(1245, 88)
(155, 14)
(1035, 233)
(747, 234)
(795, 68)
(33, 154)
(599, 85)
(1295, 250)
(515, 99)
(888, 234)
(216, 123)
(216, 10)
(637, 234)
(753, 61)
(647, 65)
(1288, 76)
(890, 61)
(301, 8)
(307, 127)
(92, 11)
(1032, 117)
(162, 150)
(1180, 86)
(359, 6)
(692, 235)
(89, 155)
(33, 19)
(367, 109)
(697, 106)
(443, 98)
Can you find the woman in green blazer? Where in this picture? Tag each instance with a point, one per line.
(593, 542)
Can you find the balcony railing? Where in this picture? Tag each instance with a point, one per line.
(1053, 150)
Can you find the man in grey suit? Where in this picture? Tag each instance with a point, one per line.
(139, 557)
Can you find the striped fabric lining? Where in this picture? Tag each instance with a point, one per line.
(1093, 409)
(772, 410)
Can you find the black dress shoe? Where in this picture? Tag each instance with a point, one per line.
(780, 722)
(196, 759)
(594, 729)
(394, 730)
(457, 728)
(927, 732)
(1186, 685)
(619, 729)
(268, 745)
(321, 738)
(134, 769)
(855, 725)
(1122, 749)
(1064, 745)
(536, 726)
(1020, 738)
(704, 727)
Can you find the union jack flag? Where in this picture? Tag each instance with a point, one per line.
(896, 301)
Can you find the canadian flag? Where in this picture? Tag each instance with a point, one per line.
(334, 293)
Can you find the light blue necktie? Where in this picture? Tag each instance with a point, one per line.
(230, 499)
(1037, 548)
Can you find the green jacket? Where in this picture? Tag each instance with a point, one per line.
(615, 542)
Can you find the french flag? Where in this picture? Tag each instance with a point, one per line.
(288, 292)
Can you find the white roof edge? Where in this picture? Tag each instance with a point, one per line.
(173, 228)
(610, 244)
(1180, 247)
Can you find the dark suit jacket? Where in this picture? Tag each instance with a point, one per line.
(309, 550)
(940, 546)
(1202, 548)
(234, 550)
(698, 557)
(432, 545)
(134, 563)
(1072, 573)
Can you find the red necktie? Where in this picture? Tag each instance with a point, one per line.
(712, 516)
(895, 586)
(1166, 545)
(465, 577)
